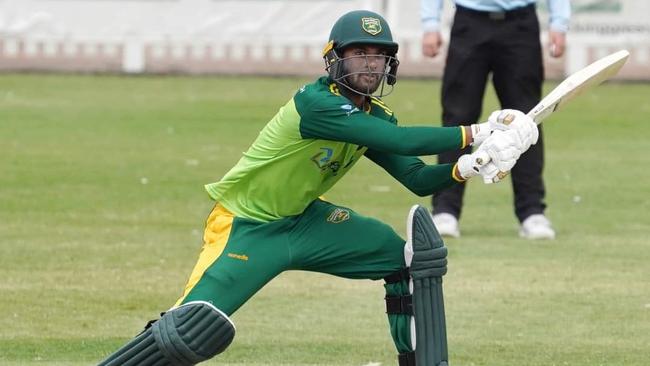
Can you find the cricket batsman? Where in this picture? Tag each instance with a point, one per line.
(269, 217)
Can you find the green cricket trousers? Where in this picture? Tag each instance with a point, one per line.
(239, 256)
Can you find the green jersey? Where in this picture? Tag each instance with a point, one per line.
(314, 140)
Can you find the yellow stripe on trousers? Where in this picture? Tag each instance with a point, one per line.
(215, 237)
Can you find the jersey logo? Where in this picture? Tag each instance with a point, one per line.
(322, 160)
(338, 215)
(323, 157)
(349, 109)
(371, 25)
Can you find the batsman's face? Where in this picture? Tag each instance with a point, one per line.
(365, 66)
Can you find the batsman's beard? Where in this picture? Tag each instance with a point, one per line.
(364, 82)
(361, 78)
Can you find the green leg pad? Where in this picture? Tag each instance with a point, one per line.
(428, 266)
(185, 336)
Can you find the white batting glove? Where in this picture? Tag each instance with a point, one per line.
(512, 119)
(503, 148)
(480, 132)
(467, 166)
(491, 173)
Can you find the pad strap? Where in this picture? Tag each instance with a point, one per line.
(399, 304)
(399, 276)
(406, 359)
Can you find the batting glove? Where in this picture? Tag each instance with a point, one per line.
(512, 119)
(467, 166)
(491, 173)
(500, 151)
(503, 149)
(481, 131)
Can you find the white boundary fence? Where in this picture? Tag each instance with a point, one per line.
(266, 36)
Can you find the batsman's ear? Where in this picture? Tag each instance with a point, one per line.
(391, 79)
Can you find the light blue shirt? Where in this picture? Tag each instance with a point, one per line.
(559, 10)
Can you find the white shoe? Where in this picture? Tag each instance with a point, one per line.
(536, 227)
(446, 224)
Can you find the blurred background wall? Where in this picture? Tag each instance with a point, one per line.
(278, 37)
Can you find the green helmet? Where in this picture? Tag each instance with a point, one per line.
(360, 27)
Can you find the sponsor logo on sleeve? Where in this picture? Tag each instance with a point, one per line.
(349, 109)
(338, 215)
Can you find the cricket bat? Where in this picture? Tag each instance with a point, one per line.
(576, 84)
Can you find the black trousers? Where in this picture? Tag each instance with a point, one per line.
(508, 47)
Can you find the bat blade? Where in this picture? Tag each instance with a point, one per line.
(577, 83)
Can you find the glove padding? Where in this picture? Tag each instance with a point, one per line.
(480, 132)
(502, 148)
(467, 167)
(491, 173)
(512, 119)
(498, 153)
(503, 120)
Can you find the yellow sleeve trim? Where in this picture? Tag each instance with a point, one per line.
(463, 137)
(456, 174)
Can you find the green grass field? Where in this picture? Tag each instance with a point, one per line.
(102, 209)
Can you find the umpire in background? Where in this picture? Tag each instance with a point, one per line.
(502, 38)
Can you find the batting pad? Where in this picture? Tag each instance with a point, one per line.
(427, 266)
(184, 336)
